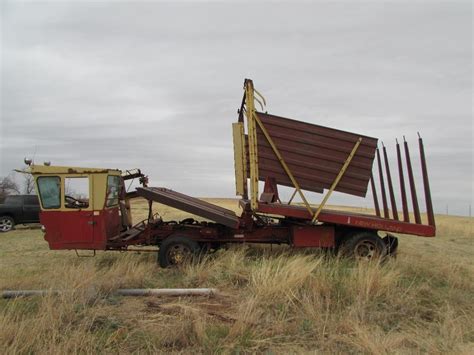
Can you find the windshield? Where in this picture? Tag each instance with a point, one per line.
(49, 188)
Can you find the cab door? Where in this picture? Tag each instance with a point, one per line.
(77, 220)
(112, 219)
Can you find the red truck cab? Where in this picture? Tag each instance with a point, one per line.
(79, 206)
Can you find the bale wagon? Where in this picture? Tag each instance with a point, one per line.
(267, 148)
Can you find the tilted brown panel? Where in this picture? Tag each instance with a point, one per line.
(315, 155)
(190, 204)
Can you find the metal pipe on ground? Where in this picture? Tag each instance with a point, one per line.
(166, 292)
(27, 293)
(121, 292)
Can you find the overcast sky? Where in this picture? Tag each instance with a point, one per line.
(156, 85)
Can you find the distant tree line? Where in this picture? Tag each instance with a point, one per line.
(9, 186)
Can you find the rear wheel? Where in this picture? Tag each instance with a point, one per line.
(363, 246)
(6, 224)
(176, 250)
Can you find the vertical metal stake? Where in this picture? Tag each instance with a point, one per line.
(382, 186)
(416, 209)
(390, 185)
(374, 195)
(426, 184)
(406, 214)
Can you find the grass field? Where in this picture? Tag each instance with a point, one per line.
(274, 300)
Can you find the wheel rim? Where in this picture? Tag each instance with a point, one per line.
(5, 224)
(177, 254)
(366, 250)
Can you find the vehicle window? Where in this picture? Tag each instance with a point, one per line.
(76, 192)
(113, 186)
(14, 200)
(31, 200)
(49, 188)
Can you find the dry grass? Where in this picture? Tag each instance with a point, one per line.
(276, 300)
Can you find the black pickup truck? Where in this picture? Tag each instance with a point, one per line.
(18, 209)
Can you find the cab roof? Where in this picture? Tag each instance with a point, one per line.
(44, 169)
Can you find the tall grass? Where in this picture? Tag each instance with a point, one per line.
(270, 300)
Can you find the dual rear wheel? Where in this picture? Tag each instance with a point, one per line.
(364, 246)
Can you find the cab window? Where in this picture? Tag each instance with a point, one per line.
(76, 192)
(49, 188)
(113, 188)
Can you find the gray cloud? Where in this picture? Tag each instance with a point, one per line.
(157, 85)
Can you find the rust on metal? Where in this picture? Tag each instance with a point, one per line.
(406, 214)
(382, 186)
(411, 179)
(426, 184)
(390, 185)
(190, 204)
(315, 155)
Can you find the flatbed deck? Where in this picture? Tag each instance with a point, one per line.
(349, 219)
(230, 219)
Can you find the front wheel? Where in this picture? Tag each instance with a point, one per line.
(363, 246)
(6, 224)
(175, 251)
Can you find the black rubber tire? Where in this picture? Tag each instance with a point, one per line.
(7, 224)
(181, 245)
(391, 245)
(363, 246)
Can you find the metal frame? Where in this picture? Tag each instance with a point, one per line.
(336, 181)
(252, 138)
(350, 219)
(252, 121)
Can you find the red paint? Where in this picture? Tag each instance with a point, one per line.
(350, 219)
(80, 229)
(313, 236)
